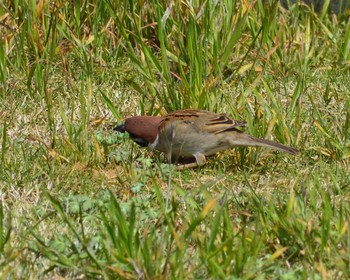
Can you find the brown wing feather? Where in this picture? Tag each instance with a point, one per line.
(212, 122)
(222, 123)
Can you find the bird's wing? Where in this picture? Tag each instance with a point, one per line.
(204, 121)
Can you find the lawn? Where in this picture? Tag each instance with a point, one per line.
(80, 201)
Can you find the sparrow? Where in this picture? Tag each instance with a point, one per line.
(192, 133)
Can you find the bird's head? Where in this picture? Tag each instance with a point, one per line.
(143, 130)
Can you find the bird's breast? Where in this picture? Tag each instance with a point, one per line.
(184, 140)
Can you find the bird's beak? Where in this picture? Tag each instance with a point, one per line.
(120, 128)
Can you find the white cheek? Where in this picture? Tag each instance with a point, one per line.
(154, 144)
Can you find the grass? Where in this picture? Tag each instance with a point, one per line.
(79, 201)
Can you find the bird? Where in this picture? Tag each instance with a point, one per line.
(192, 134)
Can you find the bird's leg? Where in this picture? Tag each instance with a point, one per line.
(200, 160)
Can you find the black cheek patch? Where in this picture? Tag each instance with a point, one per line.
(139, 141)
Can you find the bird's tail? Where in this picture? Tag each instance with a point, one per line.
(259, 142)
